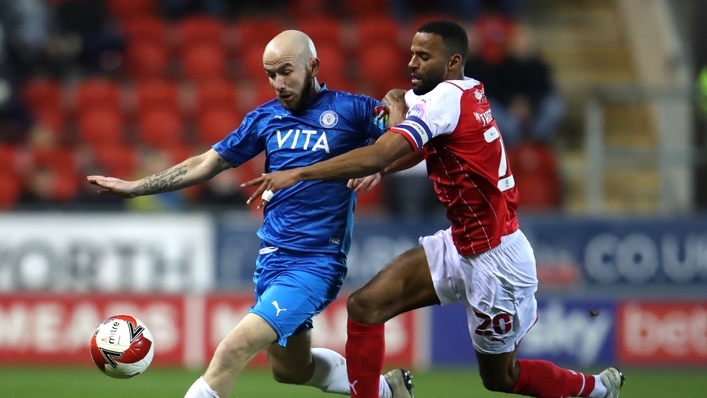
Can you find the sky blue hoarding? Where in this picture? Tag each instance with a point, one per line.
(591, 252)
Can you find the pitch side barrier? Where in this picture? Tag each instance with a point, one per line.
(621, 291)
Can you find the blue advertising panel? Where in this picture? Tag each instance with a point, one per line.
(570, 252)
(623, 251)
(569, 331)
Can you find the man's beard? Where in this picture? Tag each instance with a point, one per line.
(305, 95)
(429, 82)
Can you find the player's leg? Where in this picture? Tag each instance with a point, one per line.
(322, 368)
(501, 308)
(406, 283)
(251, 336)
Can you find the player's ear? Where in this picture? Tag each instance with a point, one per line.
(455, 61)
(314, 66)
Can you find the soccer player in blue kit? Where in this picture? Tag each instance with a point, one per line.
(306, 232)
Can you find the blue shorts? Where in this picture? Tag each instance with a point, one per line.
(291, 287)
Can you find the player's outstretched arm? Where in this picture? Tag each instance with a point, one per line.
(360, 162)
(190, 172)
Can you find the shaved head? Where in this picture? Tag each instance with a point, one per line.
(290, 60)
(290, 43)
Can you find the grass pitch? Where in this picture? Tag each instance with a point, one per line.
(27, 382)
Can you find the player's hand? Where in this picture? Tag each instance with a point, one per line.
(394, 100)
(364, 184)
(113, 186)
(269, 184)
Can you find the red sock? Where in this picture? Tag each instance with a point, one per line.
(543, 379)
(365, 348)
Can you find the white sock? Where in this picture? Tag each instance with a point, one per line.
(384, 389)
(200, 389)
(330, 374)
(599, 388)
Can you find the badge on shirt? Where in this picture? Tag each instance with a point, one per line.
(328, 119)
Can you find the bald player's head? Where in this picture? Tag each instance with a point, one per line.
(291, 63)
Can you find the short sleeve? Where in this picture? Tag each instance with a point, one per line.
(433, 114)
(244, 143)
(374, 114)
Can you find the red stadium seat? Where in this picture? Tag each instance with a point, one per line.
(146, 60)
(161, 128)
(10, 190)
(67, 185)
(340, 84)
(9, 158)
(251, 64)
(204, 62)
(98, 93)
(59, 159)
(128, 9)
(264, 93)
(257, 32)
(216, 124)
(322, 31)
(117, 160)
(41, 93)
(381, 65)
(376, 29)
(145, 30)
(200, 30)
(359, 8)
(101, 127)
(332, 63)
(52, 119)
(536, 174)
(301, 9)
(157, 94)
(215, 93)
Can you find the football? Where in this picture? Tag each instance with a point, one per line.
(122, 347)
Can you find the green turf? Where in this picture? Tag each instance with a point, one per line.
(158, 383)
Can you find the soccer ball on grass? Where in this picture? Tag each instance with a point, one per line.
(122, 347)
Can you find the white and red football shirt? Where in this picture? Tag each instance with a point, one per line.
(466, 161)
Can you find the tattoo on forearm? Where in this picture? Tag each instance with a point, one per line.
(161, 182)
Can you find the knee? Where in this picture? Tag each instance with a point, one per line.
(230, 353)
(362, 309)
(497, 382)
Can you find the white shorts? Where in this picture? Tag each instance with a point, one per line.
(497, 287)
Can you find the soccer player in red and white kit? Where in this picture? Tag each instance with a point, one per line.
(483, 259)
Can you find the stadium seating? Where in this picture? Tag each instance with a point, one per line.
(359, 8)
(9, 158)
(101, 127)
(215, 93)
(375, 29)
(537, 177)
(10, 190)
(200, 30)
(98, 92)
(322, 31)
(256, 32)
(251, 63)
(41, 93)
(204, 62)
(332, 65)
(129, 9)
(160, 128)
(216, 124)
(117, 160)
(146, 60)
(157, 94)
(145, 30)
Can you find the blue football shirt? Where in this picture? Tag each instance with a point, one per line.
(311, 216)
